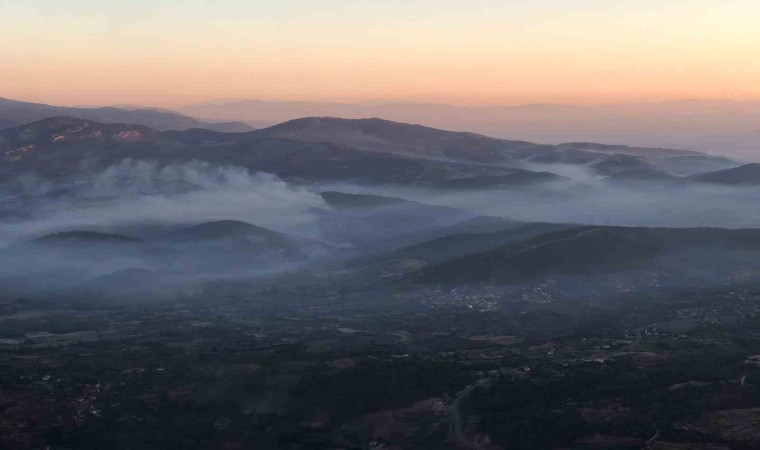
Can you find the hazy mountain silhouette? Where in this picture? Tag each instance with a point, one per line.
(722, 127)
(14, 113)
(461, 244)
(600, 250)
(84, 238)
(37, 148)
(747, 175)
(392, 137)
(419, 141)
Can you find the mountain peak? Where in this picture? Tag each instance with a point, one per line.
(220, 229)
(329, 121)
(380, 135)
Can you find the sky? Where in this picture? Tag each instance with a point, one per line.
(172, 52)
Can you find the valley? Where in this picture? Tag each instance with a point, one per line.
(379, 225)
(367, 284)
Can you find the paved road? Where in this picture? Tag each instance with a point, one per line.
(456, 412)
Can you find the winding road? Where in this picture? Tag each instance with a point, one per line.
(456, 412)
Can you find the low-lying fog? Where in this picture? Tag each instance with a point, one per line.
(589, 199)
(142, 193)
(141, 200)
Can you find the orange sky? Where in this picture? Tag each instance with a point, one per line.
(169, 53)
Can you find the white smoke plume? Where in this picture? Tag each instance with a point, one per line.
(142, 192)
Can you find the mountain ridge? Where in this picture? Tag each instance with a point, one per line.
(34, 147)
(595, 250)
(381, 135)
(15, 113)
(693, 124)
(746, 175)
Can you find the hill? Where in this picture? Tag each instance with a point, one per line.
(65, 259)
(367, 151)
(419, 141)
(343, 200)
(649, 128)
(84, 237)
(131, 282)
(228, 229)
(208, 250)
(746, 175)
(15, 113)
(470, 225)
(461, 244)
(400, 138)
(361, 220)
(604, 250)
(630, 168)
(231, 246)
(37, 148)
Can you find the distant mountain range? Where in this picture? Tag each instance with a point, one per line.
(424, 142)
(721, 127)
(14, 113)
(366, 151)
(36, 148)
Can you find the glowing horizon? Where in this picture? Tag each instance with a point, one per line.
(169, 53)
